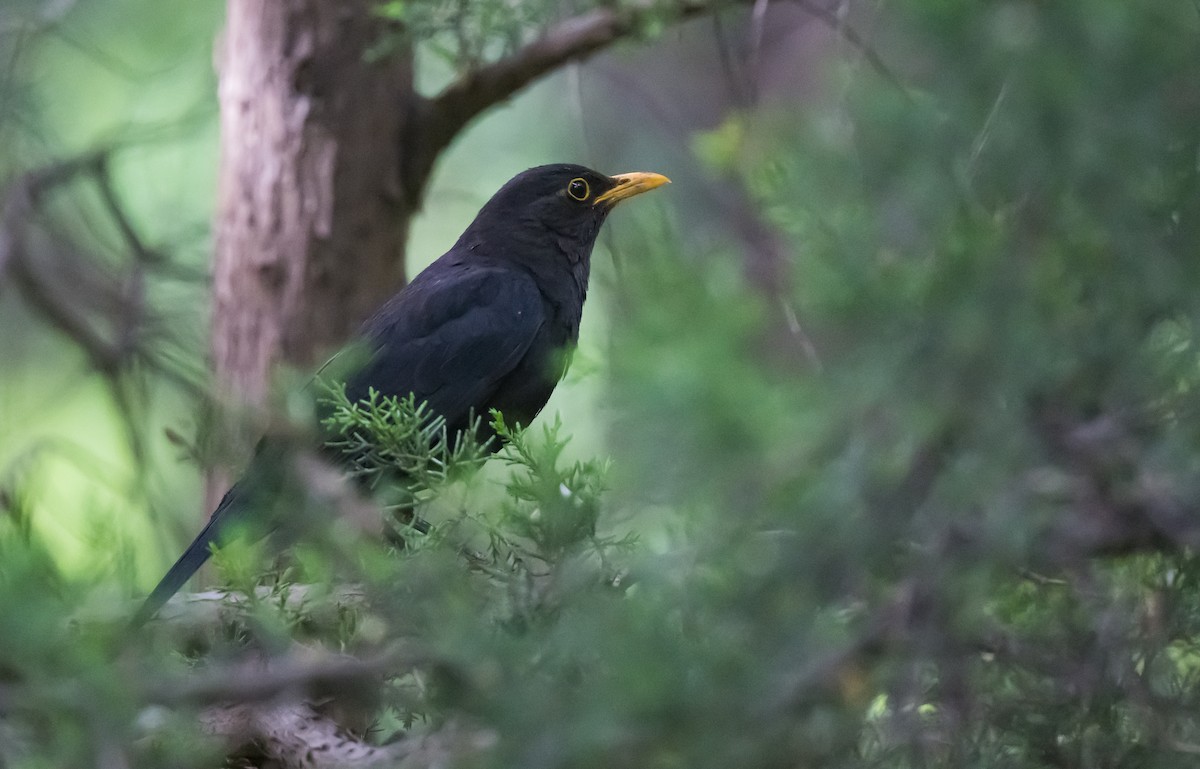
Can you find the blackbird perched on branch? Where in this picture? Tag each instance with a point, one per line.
(486, 326)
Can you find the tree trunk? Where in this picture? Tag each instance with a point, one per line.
(311, 216)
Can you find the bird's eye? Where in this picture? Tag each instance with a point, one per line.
(579, 189)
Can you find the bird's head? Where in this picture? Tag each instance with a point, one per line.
(556, 208)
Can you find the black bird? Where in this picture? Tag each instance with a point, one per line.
(486, 326)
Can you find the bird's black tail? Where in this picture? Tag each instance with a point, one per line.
(191, 560)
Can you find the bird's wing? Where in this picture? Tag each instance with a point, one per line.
(452, 339)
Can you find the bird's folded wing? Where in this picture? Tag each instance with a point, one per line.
(452, 341)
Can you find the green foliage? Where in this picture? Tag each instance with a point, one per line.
(995, 263)
(555, 508)
(547, 516)
(395, 437)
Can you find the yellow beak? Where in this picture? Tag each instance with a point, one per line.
(629, 185)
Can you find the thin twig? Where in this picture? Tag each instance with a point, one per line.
(758, 17)
(986, 131)
(851, 36)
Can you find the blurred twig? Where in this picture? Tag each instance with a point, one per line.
(20, 204)
(102, 313)
(835, 22)
(308, 675)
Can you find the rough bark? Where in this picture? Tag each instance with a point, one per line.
(311, 216)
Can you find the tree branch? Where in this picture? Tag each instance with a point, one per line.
(439, 119)
(293, 736)
(1114, 504)
(572, 39)
(20, 202)
(315, 674)
(442, 117)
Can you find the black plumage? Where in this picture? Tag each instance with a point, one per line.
(489, 325)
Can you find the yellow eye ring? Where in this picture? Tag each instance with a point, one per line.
(579, 189)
